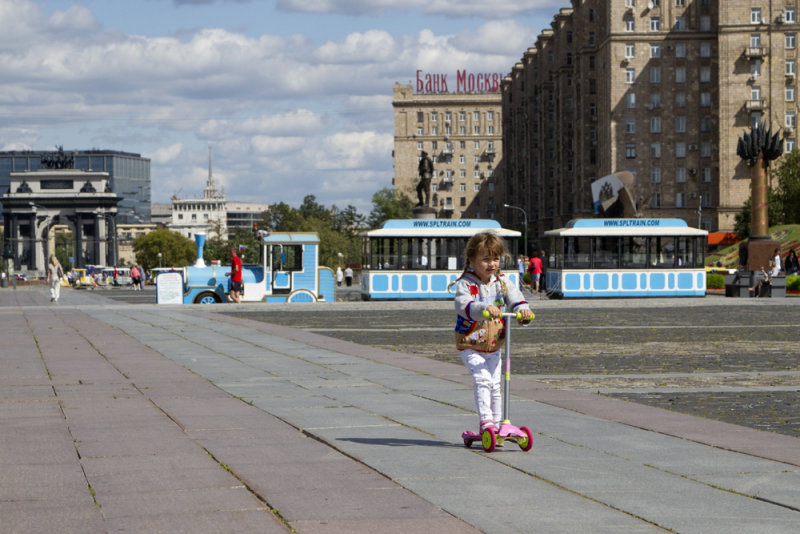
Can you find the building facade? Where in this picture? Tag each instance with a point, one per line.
(129, 175)
(201, 215)
(462, 134)
(660, 88)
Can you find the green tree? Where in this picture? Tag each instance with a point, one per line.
(282, 217)
(176, 250)
(787, 175)
(63, 242)
(388, 204)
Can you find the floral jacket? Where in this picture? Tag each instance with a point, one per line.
(473, 331)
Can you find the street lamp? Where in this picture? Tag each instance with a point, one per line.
(525, 222)
(159, 260)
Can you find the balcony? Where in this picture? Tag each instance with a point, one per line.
(755, 104)
(755, 51)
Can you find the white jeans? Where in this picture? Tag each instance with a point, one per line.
(485, 370)
(55, 289)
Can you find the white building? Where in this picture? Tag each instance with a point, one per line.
(207, 214)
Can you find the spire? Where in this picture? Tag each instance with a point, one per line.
(211, 190)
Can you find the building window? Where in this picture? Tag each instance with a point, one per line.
(705, 23)
(491, 130)
(680, 200)
(790, 15)
(791, 40)
(705, 74)
(462, 173)
(680, 175)
(462, 187)
(705, 49)
(434, 116)
(680, 24)
(434, 130)
(477, 187)
(448, 130)
(448, 116)
(476, 116)
(655, 50)
(630, 126)
(680, 3)
(655, 200)
(420, 145)
(630, 3)
(462, 130)
(630, 100)
(462, 159)
(680, 49)
(655, 24)
(630, 75)
(592, 39)
(790, 93)
(655, 74)
(462, 116)
(420, 116)
(755, 15)
(490, 115)
(755, 40)
(462, 145)
(476, 159)
(476, 130)
(705, 124)
(630, 24)
(705, 149)
(790, 143)
(419, 130)
(477, 173)
(680, 74)
(755, 119)
(630, 51)
(655, 124)
(705, 100)
(791, 67)
(655, 175)
(705, 174)
(680, 100)
(655, 150)
(680, 124)
(476, 145)
(705, 200)
(790, 120)
(655, 100)
(680, 150)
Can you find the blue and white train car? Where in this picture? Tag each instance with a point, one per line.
(419, 258)
(288, 271)
(626, 258)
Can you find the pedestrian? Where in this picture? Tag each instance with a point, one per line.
(482, 287)
(236, 276)
(339, 276)
(543, 277)
(54, 275)
(521, 270)
(762, 279)
(142, 277)
(776, 259)
(135, 274)
(348, 276)
(535, 268)
(791, 264)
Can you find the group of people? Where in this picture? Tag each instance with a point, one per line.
(536, 267)
(763, 277)
(346, 275)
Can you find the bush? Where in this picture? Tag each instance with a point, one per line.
(793, 282)
(526, 278)
(715, 281)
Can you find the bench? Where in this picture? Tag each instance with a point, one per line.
(737, 285)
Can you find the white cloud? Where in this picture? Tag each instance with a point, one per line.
(496, 38)
(496, 9)
(166, 154)
(353, 150)
(371, 46)
(75, 19)
(348, 7)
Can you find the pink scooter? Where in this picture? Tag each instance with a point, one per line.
(490, 438)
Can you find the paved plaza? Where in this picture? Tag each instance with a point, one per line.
(345, 417)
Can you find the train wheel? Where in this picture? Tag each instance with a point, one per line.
(207, 297)
(301, 295)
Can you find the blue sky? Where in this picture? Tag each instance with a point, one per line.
(293, 96)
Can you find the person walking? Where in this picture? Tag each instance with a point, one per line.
(236, 276)
(348, 276)
(135, 274)
(535, 268)
(792, 265)
(482, 287)
(54, 275)
(521, 270)
(142, 277)
(339, 276)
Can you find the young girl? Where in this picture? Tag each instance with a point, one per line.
(482, 287)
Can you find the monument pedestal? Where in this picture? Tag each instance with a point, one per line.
(759, 251)
(423, 212)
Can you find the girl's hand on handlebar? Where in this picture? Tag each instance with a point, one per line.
(527, 315)
(494, 311)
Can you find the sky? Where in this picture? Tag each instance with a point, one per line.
(294, 97)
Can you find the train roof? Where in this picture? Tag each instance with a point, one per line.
(439, 228)
(626, 227)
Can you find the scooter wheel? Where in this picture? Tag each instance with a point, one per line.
(525, 442)
(467, 442)
(489, 439)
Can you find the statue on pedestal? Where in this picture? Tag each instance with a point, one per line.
(425, 175)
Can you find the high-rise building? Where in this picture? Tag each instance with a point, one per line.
(129, 176)
(461, 132)
(660, 88)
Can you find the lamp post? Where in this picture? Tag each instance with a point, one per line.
(525, 222)
(35, 241)
(159, 260)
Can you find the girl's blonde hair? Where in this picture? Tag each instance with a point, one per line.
(488, 241)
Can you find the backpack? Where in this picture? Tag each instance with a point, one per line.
(60, 272)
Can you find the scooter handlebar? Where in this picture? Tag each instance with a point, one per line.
(515, 315)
